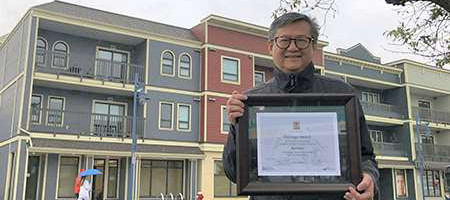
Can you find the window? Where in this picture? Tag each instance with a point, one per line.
(167, 63)
(424, 110)
(184, 117)
(230, 69)
(427, 139)
(113, 178)
(60, 54)
(222, 186)
(376, 135)
(225, 123)
(165, 115)
(185, 66)
(161, 177)
(383, 137)
(36, 108)
(55, 111)
(41, 51)
(400, 183)
(371, 97)
(68, 170)
(424, 104)
(432, 183)
(109, 118)
(112, 64)
(259, 78)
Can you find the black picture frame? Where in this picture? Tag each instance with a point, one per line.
(249, 183)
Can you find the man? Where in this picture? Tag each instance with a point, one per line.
(292, 40)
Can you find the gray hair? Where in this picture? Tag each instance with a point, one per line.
(290, 18)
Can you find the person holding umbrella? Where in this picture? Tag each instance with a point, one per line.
(86, 187)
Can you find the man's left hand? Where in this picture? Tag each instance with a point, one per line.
(366, 187)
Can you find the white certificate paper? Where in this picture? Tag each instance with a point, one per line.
(298, 144)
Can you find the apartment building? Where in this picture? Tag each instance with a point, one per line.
(67, 77)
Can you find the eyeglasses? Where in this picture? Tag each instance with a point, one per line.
(302, 42)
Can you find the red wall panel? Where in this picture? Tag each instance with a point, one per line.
(237, 40)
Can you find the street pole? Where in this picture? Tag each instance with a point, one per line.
(137, 88)
(420, 159)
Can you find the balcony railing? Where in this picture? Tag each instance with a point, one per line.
(389, 149)
(382, 110)
(76, 65)
(431, 115)
(79, 123)
(435, 153)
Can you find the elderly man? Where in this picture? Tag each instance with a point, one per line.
(292, 41)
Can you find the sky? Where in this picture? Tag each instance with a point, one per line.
(356, 21)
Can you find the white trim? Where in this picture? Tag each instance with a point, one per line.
(161, 63)
(395, 183)
(16, 173)
(25, 175)
(62, 111)
(44, 180)
(172, 115)
(33, 65)
(8, 177)
(67, 54)
(40, 112)
(190, 65)
(45, 53)
(222, 110)
(238, 70)
(190, 117)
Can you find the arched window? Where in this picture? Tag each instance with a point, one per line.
(60, 54)
(185, 66)
(41, 51)
(167, 63)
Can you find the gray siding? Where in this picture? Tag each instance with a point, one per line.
(52, 171)
(365, 72)
(156, 48)
(29, 74)
(397, 97)
(8, 108)
(22, 170)
(4, 153)
(152, 120)
(361, 53)
(386, 192)
(411, 184)
(122, 176)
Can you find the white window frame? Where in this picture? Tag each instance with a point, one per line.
(222, 110)
(40, 112)
(373, 94)
(425, 101)
(46, 49)
(97, 50)
(178, 117)
(59, 170)
(259, 72)
(67, 54)
(172, 115)
(62, 111)
(109, 102)
(173, 63)
(229, 182)
(190, 66)
(238, 82)
(405, 182)
(377, 133)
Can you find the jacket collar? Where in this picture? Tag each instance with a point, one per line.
(295, 82)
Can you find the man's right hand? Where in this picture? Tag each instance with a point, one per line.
(235, 106)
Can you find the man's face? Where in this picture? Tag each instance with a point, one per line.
(292, 59)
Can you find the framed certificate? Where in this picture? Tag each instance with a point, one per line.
(298, 144)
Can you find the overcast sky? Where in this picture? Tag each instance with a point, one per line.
(356, 21)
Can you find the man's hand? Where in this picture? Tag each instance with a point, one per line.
(235, 107)
(366, 186)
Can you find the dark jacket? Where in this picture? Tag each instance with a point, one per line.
(304, 82)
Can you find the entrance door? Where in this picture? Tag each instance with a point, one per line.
(97, 182)
(32, 178)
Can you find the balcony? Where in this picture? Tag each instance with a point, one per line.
(435, 153)
(389, 149)
(382, 110)
(431, 115)
(79, 123)
(87, 67)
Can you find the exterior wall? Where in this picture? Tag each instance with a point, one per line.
(428, 77)
(51, 178)
(152, 121)
(214, 134)
(361, 53)
(4, 155)
(346, 68)
(442, 103)
(154, 68)
(411, 184)
(397, 97)
(233, 39)
(214, 72)
(386, 192)
(29, 74)
(22, 170)
(199, 31)
(415, 98)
